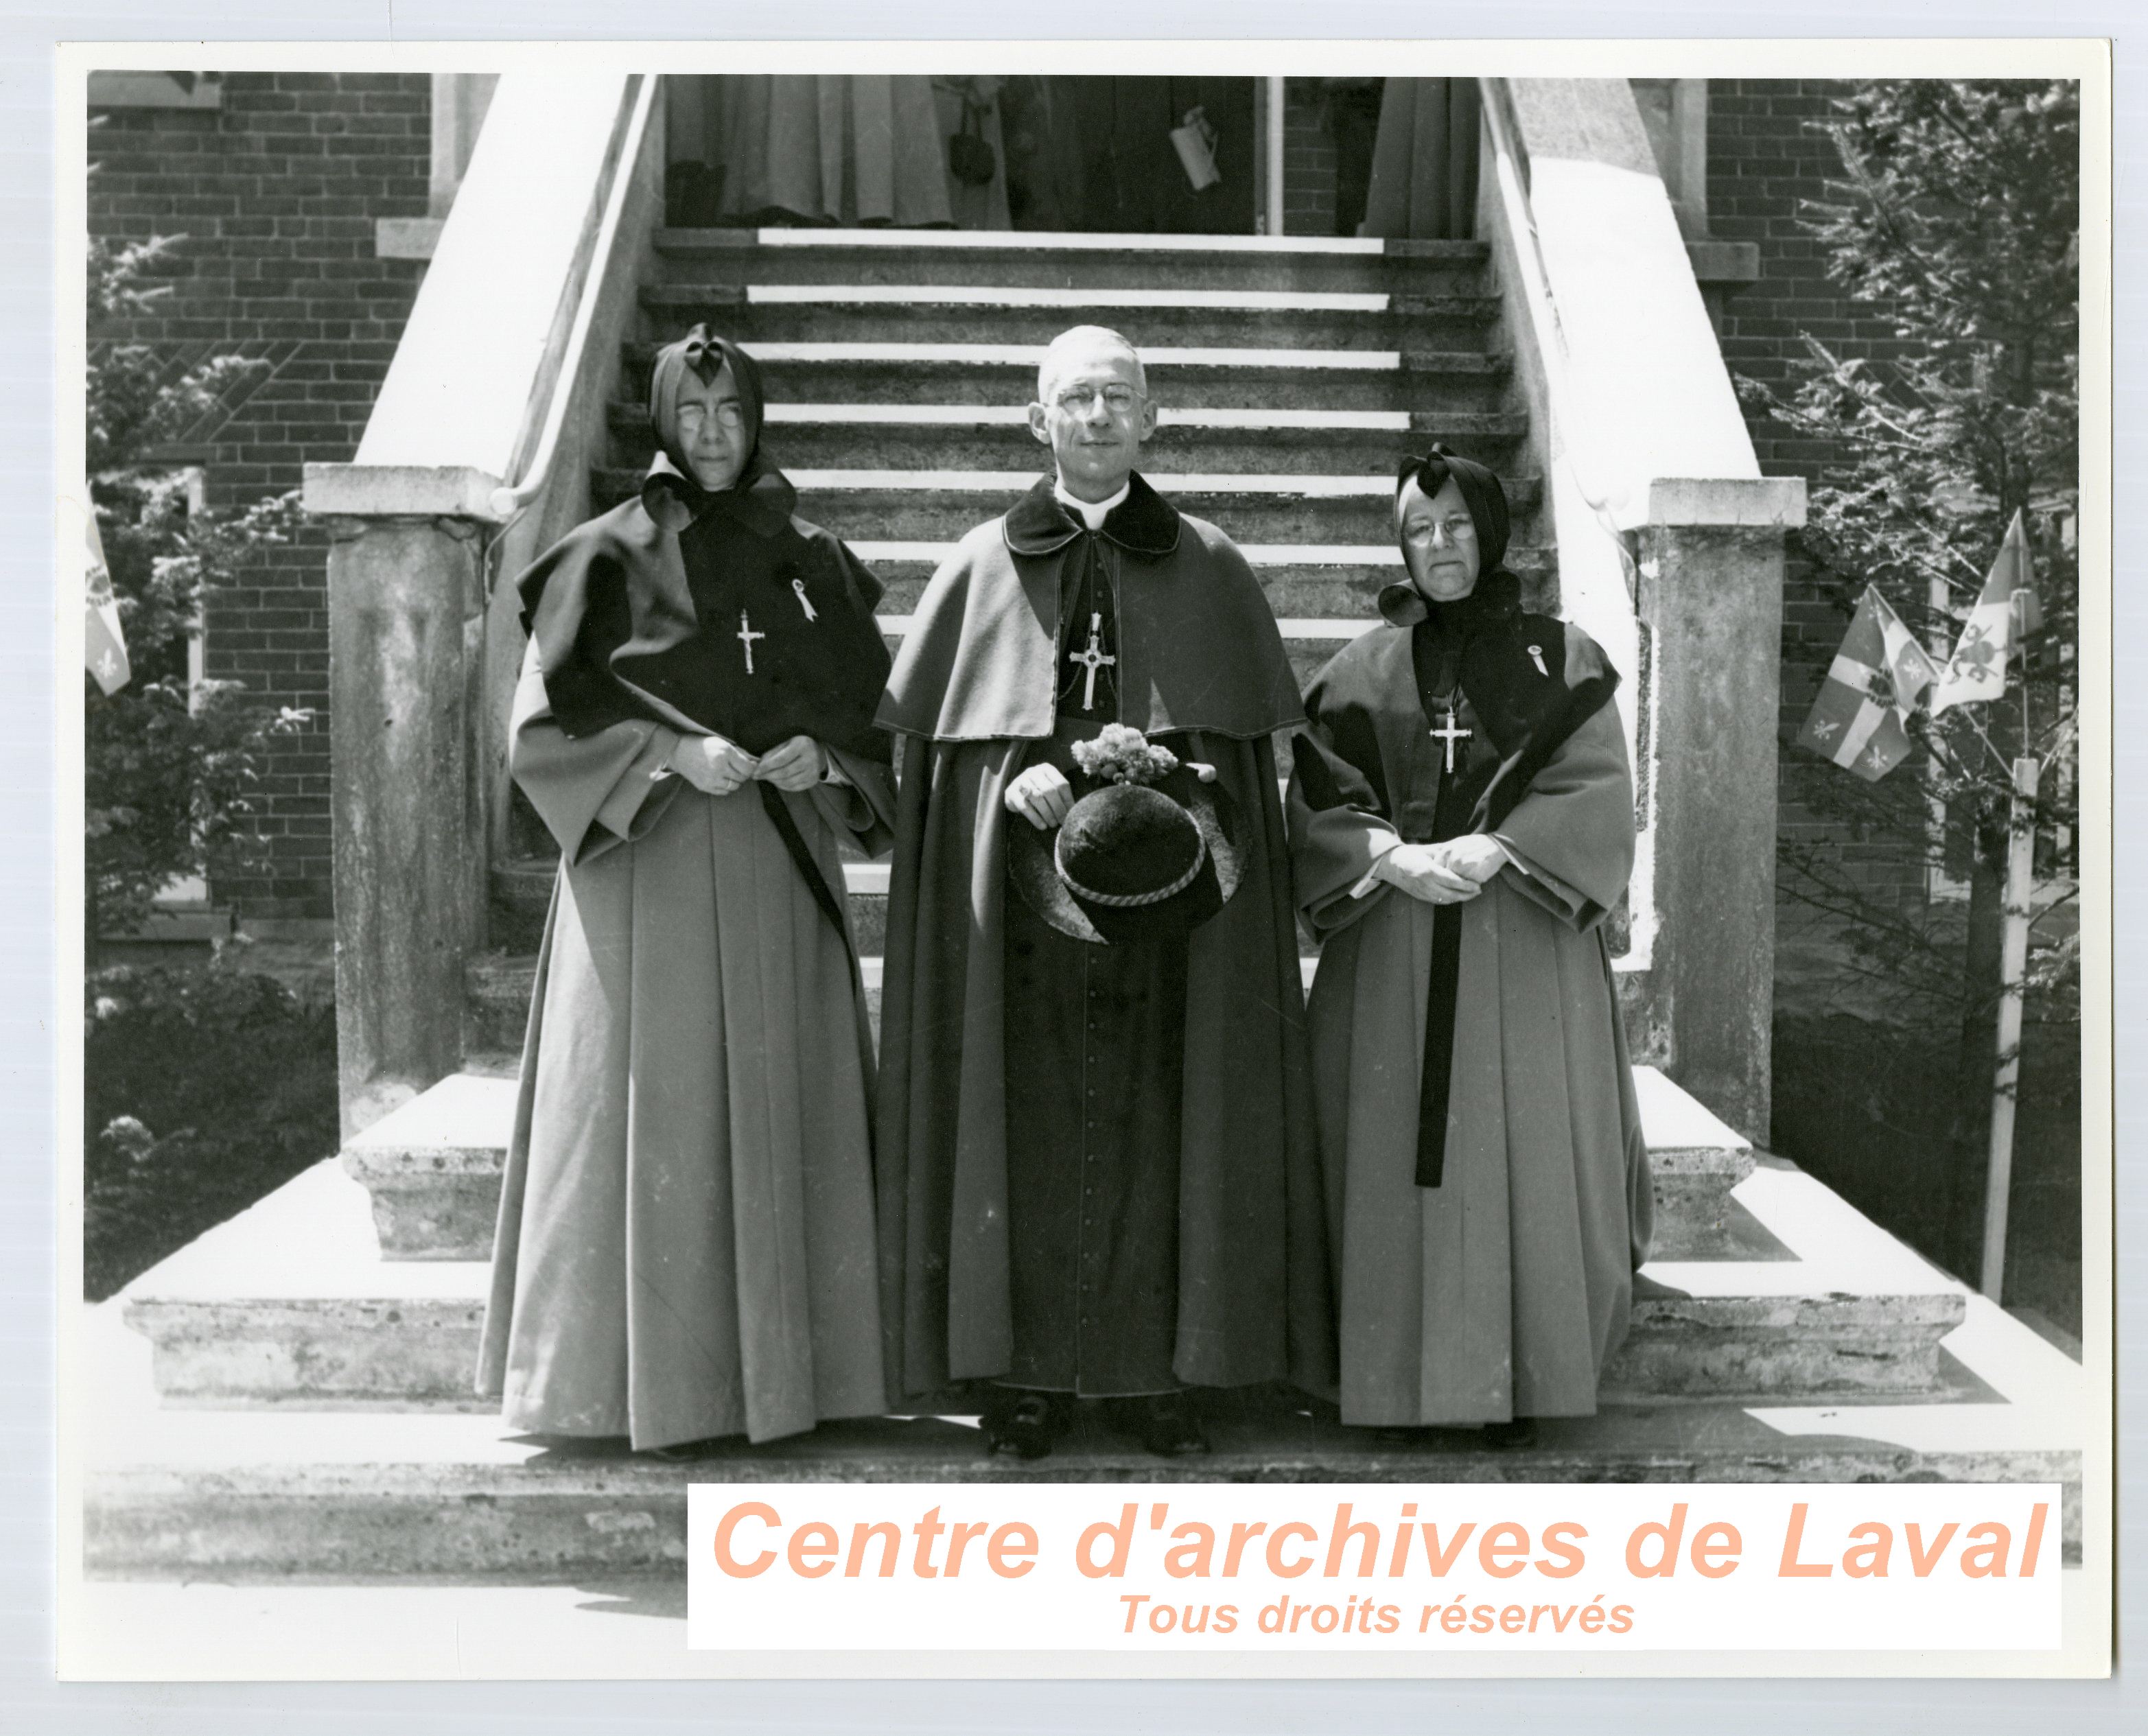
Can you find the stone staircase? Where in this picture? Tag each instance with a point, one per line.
(898, 372)
(290, 1393)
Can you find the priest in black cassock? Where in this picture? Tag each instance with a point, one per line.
(1096, 1155)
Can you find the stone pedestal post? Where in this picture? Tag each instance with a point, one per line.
(1710, 598)
(465, 406)
(406, 603)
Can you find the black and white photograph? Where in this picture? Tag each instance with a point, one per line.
(972, 768)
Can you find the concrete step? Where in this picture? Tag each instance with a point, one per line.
(946, 515)
(1063, 260)
(460, 1502)
(942, 505)
(966, 314)
(352, 1491)
(1005, 374)
(970, 437)
(294, 1304)
(1345, 589)
(280, 1493)
(431, 1170)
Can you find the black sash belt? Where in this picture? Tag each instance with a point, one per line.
(1433, 1085)
(801, 853)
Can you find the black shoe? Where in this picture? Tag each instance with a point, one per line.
(1021, 1425)
(1167, 1425)
(1503, 1437)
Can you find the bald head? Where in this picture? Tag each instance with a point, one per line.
(1092, 410)
(1076, 349)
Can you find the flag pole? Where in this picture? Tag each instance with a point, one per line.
(2014, 958)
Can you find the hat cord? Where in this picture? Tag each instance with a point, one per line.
(1130, 900)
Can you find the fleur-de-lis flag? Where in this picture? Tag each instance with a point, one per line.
(104, 650)
(1858, 720)
(2005, 609)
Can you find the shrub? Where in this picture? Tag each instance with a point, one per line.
(203, 1090)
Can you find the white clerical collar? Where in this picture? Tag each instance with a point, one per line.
(1090, 512)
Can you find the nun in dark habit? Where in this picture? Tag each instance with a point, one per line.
(686, 1244)
(1462, 820)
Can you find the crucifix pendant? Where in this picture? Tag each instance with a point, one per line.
(745, 636)
(1092, 660)
(1450, 734)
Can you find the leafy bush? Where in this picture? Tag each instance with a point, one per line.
(203, 1089)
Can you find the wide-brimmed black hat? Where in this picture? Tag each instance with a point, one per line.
(1131, 861)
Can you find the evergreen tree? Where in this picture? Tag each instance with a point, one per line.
(1957, 222)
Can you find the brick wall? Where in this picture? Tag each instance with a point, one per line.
(277, 194)
(1309, 161)
(1765, 156)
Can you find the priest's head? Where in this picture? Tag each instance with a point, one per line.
(1093, 409)
(1451, 518)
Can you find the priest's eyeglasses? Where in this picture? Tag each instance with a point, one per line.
(1076, 400)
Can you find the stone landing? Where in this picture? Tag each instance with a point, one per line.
(293, 1305)
(288, 1402)
(432, 1168)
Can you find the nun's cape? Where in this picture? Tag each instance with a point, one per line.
(1500, 1291)
(686, 1240)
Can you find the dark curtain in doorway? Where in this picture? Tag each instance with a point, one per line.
(1424, 184)
(1095, 154)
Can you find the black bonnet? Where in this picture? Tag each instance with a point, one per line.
(1481, 493)
(704, 355)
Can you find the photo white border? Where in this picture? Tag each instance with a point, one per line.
(1899, 56)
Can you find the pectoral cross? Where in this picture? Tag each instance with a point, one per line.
(1450, 734)
(1092, 660)
(745, 636)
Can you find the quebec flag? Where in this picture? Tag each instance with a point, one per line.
(1858, 720)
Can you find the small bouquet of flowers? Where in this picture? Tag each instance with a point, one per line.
(1122, 754)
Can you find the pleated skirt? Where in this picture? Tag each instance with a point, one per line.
(686, 1241)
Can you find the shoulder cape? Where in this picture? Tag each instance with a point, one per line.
(1198, 646)
(1532, 679)
(616, 610)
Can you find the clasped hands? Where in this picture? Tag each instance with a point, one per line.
(718, 766)
(1452, 872)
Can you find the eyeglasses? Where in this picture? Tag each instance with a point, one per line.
(730, 413)
(1076, 400)
(1456, 527)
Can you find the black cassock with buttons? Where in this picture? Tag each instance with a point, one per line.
(1096, 1164)
(1093, 1115)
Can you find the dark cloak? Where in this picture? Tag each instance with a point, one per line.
(1500, 1288)
(976, 689)
(638, 614)
(1506, 677)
